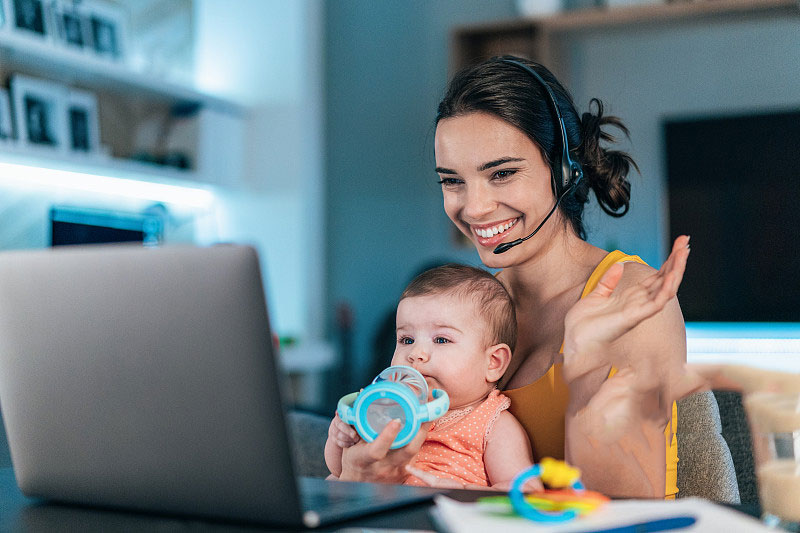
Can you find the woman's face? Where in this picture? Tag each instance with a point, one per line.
(496, 185)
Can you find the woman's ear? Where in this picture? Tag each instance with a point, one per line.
(499, 358)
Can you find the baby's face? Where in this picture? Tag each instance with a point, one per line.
(444, 337)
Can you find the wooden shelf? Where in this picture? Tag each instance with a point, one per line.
(532, 36)
(39, 57)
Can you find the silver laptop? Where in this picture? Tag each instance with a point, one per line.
(147, 379)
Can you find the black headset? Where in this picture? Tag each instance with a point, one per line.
(571, 171)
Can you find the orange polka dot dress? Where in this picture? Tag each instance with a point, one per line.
(456, 442)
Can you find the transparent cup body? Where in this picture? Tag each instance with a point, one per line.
(382, 411)
(774, 419)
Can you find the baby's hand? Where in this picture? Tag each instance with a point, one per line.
(344, 435)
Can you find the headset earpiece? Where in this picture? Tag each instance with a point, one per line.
(575, 175)
(570, 170)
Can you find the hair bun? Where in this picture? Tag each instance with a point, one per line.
(606, 170)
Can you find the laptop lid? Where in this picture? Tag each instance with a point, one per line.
(145, 379)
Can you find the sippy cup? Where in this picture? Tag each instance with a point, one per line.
(398, 392)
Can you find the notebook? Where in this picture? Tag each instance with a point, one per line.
(146, 379)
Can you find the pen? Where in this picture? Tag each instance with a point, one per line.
(665, 524)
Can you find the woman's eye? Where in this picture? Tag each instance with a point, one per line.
(503, 174)
(440, 340)
(450, 182)
(405, 340)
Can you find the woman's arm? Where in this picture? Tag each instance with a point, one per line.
(615, 433)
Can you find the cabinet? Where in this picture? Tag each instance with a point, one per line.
(540, 38)
(140, 118)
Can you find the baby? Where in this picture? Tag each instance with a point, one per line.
(456, 326)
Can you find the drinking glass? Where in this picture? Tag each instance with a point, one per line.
(774, 419)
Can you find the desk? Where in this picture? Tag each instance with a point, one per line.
(18, 513)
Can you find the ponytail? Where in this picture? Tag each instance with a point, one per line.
(606, 171)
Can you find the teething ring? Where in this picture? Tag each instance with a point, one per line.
(552, 472)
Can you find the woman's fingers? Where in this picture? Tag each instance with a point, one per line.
(379, 447)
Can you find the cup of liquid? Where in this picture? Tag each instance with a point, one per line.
(775, 424)
(772, 403)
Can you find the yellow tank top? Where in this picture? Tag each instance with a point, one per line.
(541, 406)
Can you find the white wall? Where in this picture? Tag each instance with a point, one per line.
(267, 56)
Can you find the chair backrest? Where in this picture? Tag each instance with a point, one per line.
(308, 432)
(736, 433)
(705, 466)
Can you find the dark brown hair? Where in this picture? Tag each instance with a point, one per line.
(515, 96)
(465, 281)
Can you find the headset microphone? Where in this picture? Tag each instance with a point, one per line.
(571, 171)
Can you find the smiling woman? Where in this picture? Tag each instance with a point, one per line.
(502, 135)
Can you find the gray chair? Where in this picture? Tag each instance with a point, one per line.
(308, 432)
(736, 433)
(705, 466)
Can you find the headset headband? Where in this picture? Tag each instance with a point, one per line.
(571, 171)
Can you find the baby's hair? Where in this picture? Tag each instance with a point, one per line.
(465, 281)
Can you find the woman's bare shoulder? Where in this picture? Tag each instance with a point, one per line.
(634, 273)
(663, 332)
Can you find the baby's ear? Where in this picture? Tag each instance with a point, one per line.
(499, 358)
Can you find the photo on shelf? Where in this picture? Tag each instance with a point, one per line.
(72, 24)
(82, 123)
(39, 112)
(6, 129)
(108, 29)
(29, 17)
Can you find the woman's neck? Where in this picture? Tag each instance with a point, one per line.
(563, 263)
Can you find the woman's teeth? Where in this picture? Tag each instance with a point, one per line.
(491, 232)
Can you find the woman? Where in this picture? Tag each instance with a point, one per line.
(606, 404)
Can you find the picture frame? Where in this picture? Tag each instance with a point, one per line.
(6, 120)
(71, 24)
(83, 129)
(39, 112)
(108, 29)
(30, 18)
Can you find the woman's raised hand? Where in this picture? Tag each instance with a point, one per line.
(595, 322)
(376, 462)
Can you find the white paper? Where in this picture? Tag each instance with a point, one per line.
(459, 517)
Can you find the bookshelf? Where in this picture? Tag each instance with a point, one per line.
(131, 106)
(538, 37)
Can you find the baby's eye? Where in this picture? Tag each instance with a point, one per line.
(441, 340)
(405, 340)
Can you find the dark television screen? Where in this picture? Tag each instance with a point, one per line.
(64, 233)
(733, 186)
(89, 226)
